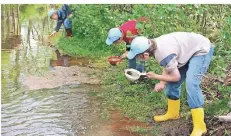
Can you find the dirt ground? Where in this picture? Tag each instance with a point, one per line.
(118, 125)
(61, 76)
(182, 127)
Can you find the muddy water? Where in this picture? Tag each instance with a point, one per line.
(61, 111)
(67, 61)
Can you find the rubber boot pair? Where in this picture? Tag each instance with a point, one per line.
(173, 112)
(69, 32)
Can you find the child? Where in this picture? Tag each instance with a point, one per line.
(126, 33)
(184, 56)
(61, 16)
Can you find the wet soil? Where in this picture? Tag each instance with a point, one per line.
(183, 127)
(217, 128)
(62, 76)
(119, 125)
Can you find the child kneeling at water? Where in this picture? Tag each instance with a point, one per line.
(184, 56)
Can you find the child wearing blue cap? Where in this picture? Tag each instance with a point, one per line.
(62, 16)
(126, 32)
(184, 56)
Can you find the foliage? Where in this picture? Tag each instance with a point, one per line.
(32, 11)
(92, 22)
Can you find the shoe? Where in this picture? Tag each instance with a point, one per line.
(173, 111)
(199, 126)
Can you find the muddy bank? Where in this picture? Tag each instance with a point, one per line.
(183, 127)
(62, 76)
(120, 125)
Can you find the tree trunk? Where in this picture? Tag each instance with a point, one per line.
(13, 20)
(18, 25)
(2, 21)
(28, 33)
(8, 23)
(48, 24)
(44, 23)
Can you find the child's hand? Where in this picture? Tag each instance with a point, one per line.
(53, 34)
(159, 87)
(70, 15)
(151, 75)
(124, 55)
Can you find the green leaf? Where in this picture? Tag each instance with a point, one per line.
(148, 25)
(139, 25)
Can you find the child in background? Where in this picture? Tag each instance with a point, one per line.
(62, 17)
(126, 33)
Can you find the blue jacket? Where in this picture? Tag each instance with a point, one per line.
(63, 13)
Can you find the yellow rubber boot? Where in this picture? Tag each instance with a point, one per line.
(172, 113)
(199, 126)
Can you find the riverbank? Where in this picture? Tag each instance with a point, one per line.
(57, 98)
(139, 102)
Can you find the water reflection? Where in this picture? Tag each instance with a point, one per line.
(46, 112)
(66, 61)
(60, 111)
(14, 41)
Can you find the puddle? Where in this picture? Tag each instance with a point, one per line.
(67, 61)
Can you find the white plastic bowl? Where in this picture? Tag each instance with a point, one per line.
(133, 74)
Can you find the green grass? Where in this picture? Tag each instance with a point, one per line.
(136, 100)
(91, 24)
(87, 47)
(154, 131)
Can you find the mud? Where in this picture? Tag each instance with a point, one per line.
(119, 125)
(178, 127)
(183, 127)
(62, 76)
(217, 128)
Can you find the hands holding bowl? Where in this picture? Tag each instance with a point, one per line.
(115, 60)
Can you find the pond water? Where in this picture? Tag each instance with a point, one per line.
(60, 111)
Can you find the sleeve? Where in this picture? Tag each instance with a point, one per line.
(169, 62)
(59, 24)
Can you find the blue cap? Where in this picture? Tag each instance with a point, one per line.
(113, 35)
(51, 12)
(139, 45)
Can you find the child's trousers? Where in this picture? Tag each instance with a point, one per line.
(136, 64)
(192, 72)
